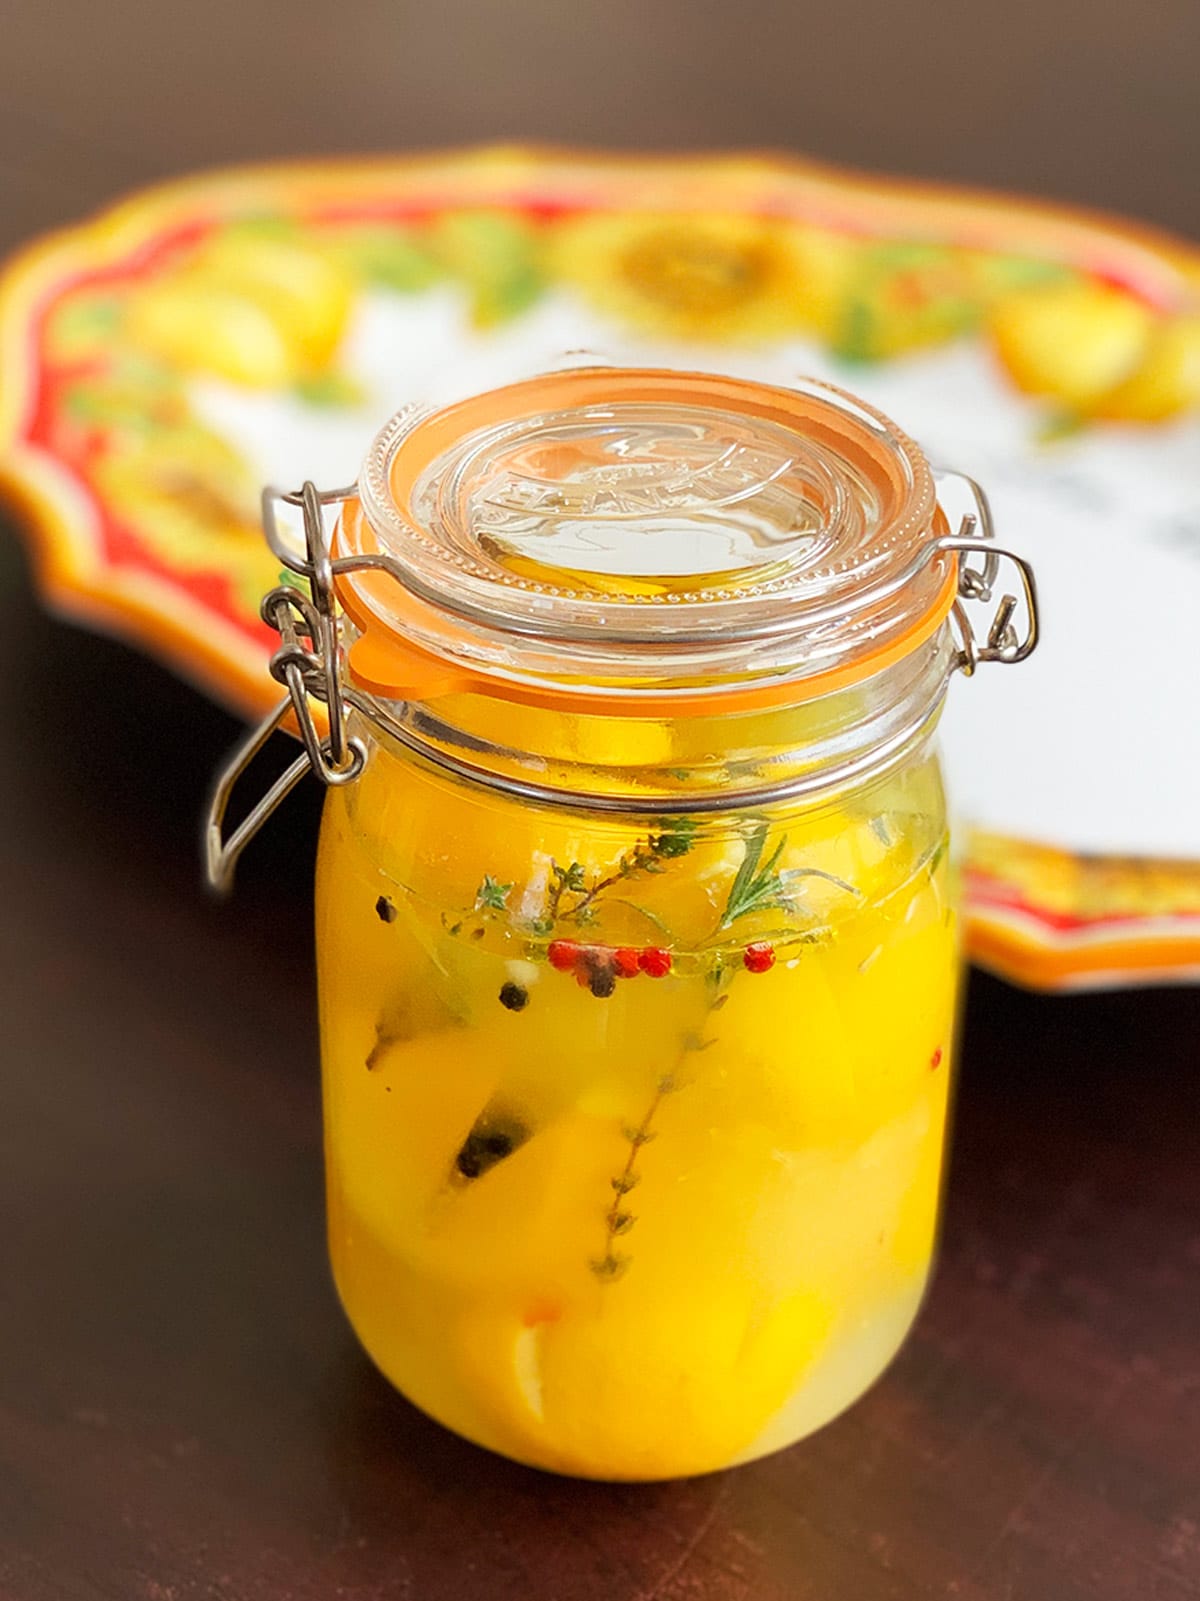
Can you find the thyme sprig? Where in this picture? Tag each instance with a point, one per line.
(618, 1218)
(492, 896)
(645, 858)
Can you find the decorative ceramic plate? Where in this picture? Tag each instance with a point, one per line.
(162, 361)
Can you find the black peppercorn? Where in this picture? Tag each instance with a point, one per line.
(602, 982)
(385, 910)
(482, 1151)
(514, 996)
(496, 1134)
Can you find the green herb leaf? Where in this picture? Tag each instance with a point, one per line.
(755, 841)
(491, 895)
(755, 888)
(676, 838)
(392, 258)
(759, 888)
(495, 256)
(648, 857)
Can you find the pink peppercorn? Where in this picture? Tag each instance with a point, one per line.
(655, 961)
(562, 954)
(758, 958)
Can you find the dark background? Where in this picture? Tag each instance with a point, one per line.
(1088, 102)
(183, 1414)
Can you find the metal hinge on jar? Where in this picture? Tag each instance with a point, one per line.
(1002, 643)
(308, 661)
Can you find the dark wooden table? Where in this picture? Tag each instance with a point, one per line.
(184, 1415)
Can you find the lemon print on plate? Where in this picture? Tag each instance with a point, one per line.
(258, 310)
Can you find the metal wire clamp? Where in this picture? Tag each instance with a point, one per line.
(307, 663)
(975, 536)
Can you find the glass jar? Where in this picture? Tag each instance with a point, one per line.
(637, 927)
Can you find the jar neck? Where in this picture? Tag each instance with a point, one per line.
(807, 753)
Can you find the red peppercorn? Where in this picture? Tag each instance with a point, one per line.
(562, 954)
(935, 1061)
(758, 958)
(655, 961)
(627, 962)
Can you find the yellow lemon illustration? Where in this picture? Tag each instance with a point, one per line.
(206, 327)
(257, 311)
(1071, 342)
(309, 292)
(495, 254)
(1166, 383)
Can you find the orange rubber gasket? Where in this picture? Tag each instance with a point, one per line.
(385, 663)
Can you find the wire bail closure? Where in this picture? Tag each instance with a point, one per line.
(308, 659)
(310, 672)
(976, 536)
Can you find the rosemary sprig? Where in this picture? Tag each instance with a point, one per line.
(755, 887)
(759, 887)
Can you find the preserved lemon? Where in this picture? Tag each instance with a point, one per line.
(654, 1118)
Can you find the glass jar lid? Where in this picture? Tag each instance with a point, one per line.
(641, 535)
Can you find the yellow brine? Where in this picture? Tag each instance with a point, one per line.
(634, 1137)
